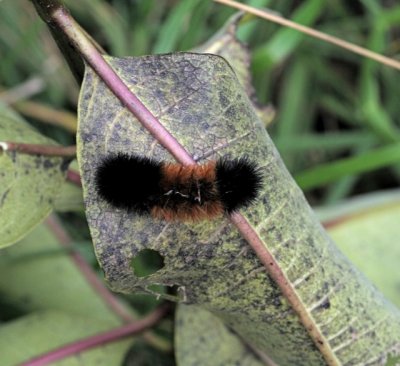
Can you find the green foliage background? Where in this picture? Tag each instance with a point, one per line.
(337, 114)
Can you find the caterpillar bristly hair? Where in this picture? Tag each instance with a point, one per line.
(178, 192)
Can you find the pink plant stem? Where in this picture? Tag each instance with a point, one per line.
(100, 339)
(38, 149)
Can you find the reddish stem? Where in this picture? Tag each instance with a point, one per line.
(38, 149)
(100, 339)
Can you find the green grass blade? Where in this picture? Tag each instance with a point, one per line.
(326, 173)
(286, 40)
(171, 31)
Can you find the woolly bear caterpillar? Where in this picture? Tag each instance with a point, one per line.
(176, 192)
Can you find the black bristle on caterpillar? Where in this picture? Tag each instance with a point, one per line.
(128, 181)
(239, 181)
(173, 191)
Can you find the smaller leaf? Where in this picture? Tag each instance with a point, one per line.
(366, 230)
(28, 183)
(203, 339)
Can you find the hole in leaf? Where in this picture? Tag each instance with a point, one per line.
(147, 262)
(158, 289)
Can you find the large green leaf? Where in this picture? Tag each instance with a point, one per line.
(199, 99)
(28, 183)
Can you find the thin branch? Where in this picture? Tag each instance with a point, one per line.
(16, 98)
(45, 114)
(101, 339)
(38, 149)
(22, 91)
(273, 17)
(74, 60)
